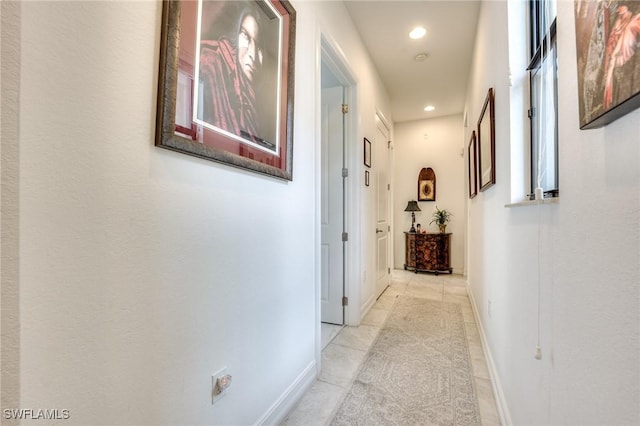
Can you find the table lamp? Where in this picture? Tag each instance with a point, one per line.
(412, 206)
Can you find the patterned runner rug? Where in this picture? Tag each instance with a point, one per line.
(417, 372)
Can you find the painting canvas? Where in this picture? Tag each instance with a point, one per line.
(608, 60)
(249, 32)
(226, 82)
(426, 190)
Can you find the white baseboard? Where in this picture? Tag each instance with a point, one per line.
(501, 402)
(289, 398)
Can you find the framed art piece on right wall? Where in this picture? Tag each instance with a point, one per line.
(486, 143)
(608, 60)
(472, 166)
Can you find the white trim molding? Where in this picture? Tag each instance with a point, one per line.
(501, 402)
(280, 409)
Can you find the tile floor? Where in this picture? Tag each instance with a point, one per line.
(345, 348)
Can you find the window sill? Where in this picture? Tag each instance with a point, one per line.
(554, 200)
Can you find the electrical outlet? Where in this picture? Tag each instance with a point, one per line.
(220, 382)
(489, 307)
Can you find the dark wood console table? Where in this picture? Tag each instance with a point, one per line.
(427, 252)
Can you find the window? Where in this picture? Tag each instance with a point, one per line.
(543, 84)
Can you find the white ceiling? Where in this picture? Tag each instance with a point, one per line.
(440, 80)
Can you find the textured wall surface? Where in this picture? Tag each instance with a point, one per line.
(144, 271)
(134, 273)
(576, 262)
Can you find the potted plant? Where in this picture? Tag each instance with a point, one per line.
(441, 218)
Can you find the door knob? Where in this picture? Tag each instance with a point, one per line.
(378, 231)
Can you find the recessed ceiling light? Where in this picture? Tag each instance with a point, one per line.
(429, 108)
(417, 32)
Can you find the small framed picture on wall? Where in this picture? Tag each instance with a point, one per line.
(367, 152)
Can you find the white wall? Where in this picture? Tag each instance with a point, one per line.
(589, 253)
(9, 203)
(143, 271)
(435, 143)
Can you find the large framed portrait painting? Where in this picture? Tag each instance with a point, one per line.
(226, 82)
(608, 55)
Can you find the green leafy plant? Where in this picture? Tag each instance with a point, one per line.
(441, 217)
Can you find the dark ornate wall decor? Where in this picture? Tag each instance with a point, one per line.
(427, 185)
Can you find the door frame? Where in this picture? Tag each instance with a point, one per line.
(329, 52)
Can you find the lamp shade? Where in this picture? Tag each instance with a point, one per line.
(412, 206)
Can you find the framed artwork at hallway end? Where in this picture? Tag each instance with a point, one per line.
(486, 143)
(608, 60)
(226, 82)
(427, 184)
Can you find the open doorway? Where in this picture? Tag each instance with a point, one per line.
(332, 195)
(335, 193)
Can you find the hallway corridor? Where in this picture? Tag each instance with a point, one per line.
(346, 348)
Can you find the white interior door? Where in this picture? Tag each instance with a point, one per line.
(383, 188)
(332, 214)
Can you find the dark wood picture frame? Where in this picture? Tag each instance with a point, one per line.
(260, 140)
(367, 152)
(366, 178)
(607, 88)
(486, 143)
(472, 165)
(427, 185)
